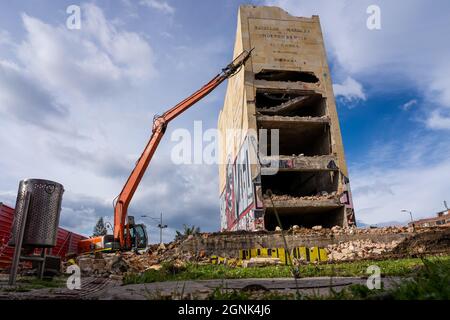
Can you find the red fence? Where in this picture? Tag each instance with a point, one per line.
(66, 241)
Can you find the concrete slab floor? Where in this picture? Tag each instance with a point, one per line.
(107, 289)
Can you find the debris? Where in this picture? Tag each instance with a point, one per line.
(116, 277)
(320, 196)
(154, 267)
(364, 248)
(174, 258)
(435, 241)
(261, 262)
(336, 229)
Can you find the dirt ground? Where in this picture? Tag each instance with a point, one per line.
(434, 241)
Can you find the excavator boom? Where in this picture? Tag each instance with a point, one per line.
(159, 127)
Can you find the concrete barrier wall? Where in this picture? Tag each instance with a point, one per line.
(229, 244)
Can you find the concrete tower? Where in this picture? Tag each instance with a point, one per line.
(283, 97)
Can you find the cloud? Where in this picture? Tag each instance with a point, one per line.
(350, 90)
(24, 100)
(81, 212)
(410, 177)
(438, 121)
(76, 65)
(385, 59)
(5, 37)
(101, 161)
(408, 105)
(159, 5)
(62, 99)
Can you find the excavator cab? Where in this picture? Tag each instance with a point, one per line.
(137, 239)
(138, 236)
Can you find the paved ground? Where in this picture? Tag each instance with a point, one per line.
(107, 289)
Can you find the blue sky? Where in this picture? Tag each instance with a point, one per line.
(76, 105)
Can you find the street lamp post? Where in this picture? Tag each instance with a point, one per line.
(161, 226)
(410, 214)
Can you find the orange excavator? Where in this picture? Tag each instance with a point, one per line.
(128, 235)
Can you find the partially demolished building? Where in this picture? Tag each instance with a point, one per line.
(281, 147)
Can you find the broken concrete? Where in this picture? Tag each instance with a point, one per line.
(340, 244)
(303, 163)
(261, 262)
(334, 240)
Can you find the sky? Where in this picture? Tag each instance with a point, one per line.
(76, 105)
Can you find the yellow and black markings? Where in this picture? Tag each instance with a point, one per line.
(313, 254)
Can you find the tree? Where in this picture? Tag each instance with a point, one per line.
(100, 229)
(193, 230)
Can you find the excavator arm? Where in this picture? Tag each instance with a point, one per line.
(159, 127)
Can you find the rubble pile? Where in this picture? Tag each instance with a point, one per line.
(362, 249)
(336, 230)
(115, 265)
(344, 244)
(285, 197)
(261, 262)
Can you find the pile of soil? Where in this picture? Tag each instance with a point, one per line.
(433, 241)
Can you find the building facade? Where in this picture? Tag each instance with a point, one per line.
(280, 143)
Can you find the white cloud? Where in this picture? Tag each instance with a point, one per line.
(5, 38)
(62, 102)
(438, 121)
(350, 90)
(411, 177)
(162, 6)
(90, 98)
(408, 105)
(82, 64)
(439, 86)
(403, 53)
(22, 100)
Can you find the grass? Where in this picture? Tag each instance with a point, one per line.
(430, 282)
(25, 284)
(401, 267)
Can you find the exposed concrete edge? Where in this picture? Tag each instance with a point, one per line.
(229, 246)
(295, 119)
(300, 202)
(302, 163)
(285, 86)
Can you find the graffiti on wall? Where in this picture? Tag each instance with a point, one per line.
(346, 199)
(237, 199)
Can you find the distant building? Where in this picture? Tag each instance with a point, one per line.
(442, 218)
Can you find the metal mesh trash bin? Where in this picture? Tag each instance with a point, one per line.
(43, 214)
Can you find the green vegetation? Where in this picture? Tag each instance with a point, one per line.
(192, 271)
(187, 231)
(100, 228)
(432, 282)
(26, 284)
